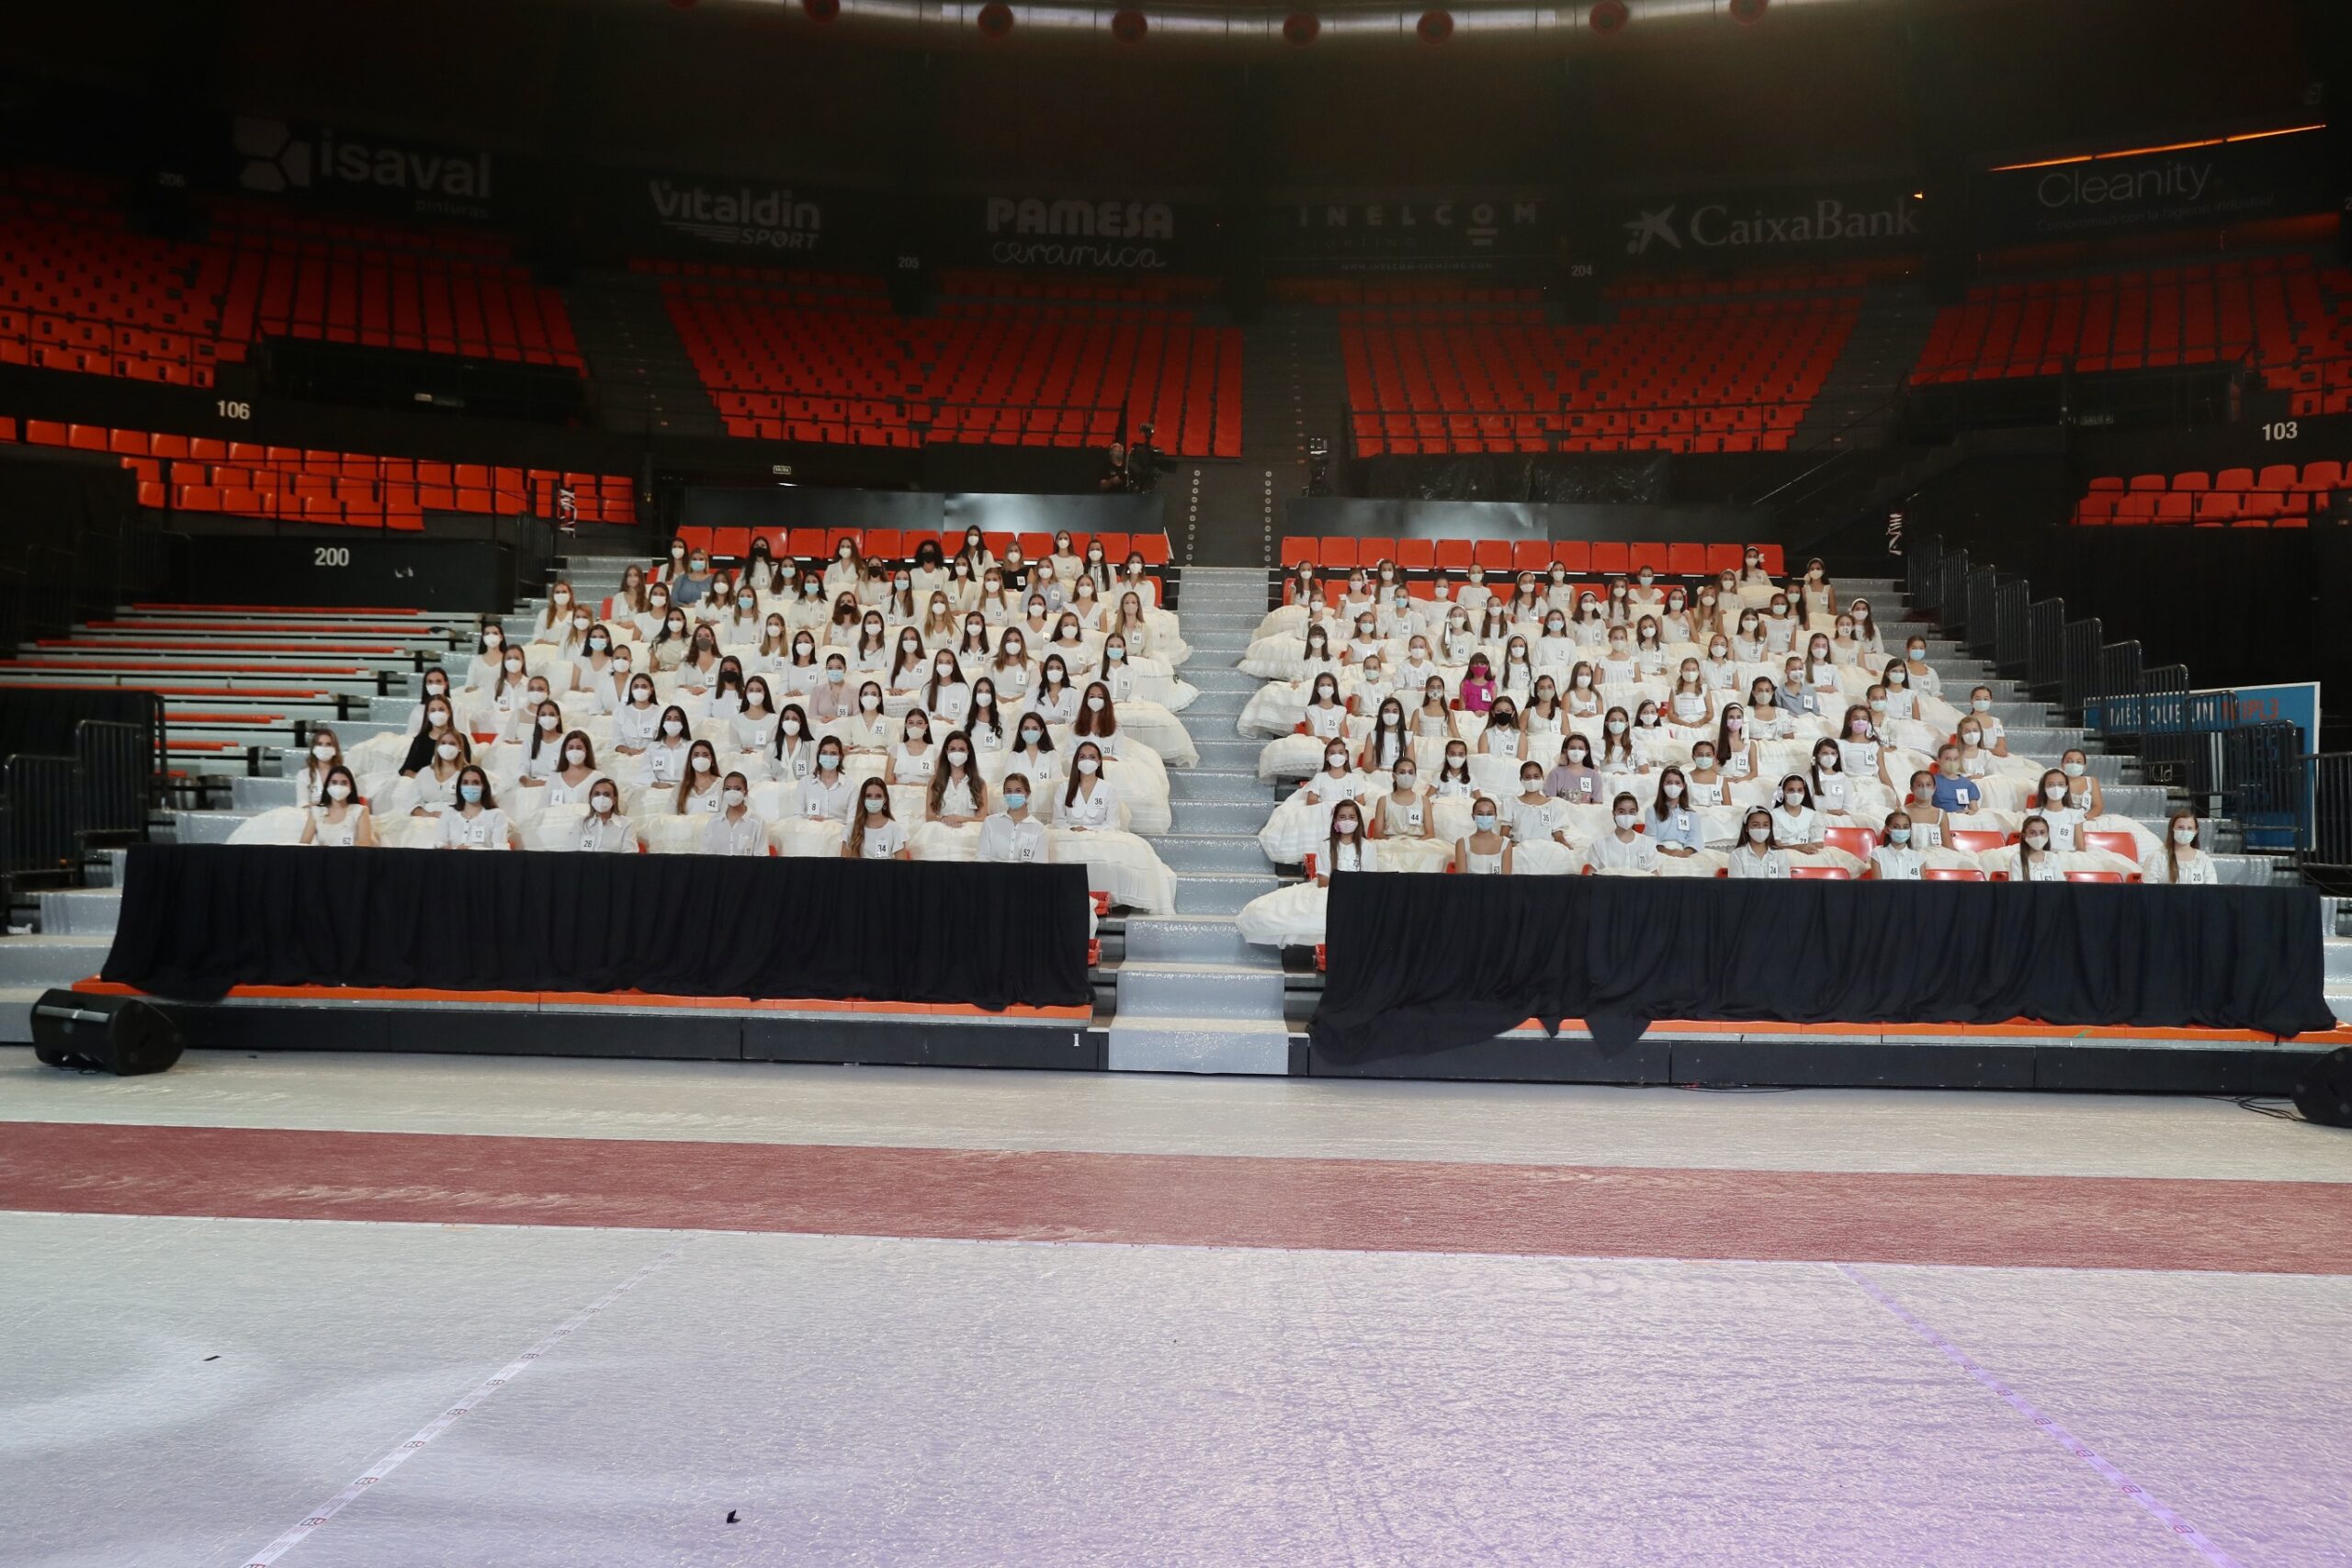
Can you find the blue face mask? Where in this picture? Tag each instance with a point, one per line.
(837, 676)
(469, 794)
(1014, 800)
(1115, 653)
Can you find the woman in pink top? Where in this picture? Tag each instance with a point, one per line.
(1477, 685)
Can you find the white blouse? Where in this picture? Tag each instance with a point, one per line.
(1097, 810)
(484, 830)
(746, 835)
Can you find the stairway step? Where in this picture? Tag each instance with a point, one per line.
(1225, 816)
(45, 960)
(1210, 851)
(1199, 1045)
(1162, 989)
(88, 912)
(206, 827)
(264, 794)
(1195, 939)
(1225, 751)
(1188, 784)
(1220, 892)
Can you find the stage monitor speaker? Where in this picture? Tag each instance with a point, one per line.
(2324, 1091)
(121, 1035)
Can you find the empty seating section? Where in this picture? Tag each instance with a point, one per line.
(246, 478)
(797, 363)
(420, 290)
(900, 544)
(1357, 291)
(2293, 318)
(80, 289)
(1423, 561)
(1719, 375)
(2278, 496)
(1799, 282)
(1144, 290)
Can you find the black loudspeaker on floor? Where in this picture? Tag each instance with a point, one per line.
(2324, 1094)
(122, 1035)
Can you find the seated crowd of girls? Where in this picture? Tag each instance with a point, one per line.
(786, 708)
(1749, 727)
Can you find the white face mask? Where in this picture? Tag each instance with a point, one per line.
(672, 727)
(791, 727)
(1757, 835)
(1794, 796)
(1671, 791)
(579, 624)
(513, 667)
(1336, 762)
(733, 797)
(601, 805)
(1626, 820)
(1088, 765)
(449, 750)
(959, 756)
(1095, 703)
(704, 765)
(343, 792)
(323, 752)
(1982, 704)
(2184, 835)
(575, 756)
(1406, 778)
(549, 721)
(2037, 841)
(869, 702)
(2072, 770)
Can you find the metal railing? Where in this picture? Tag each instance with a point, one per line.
(42, 848)
(2190, 741)
(2327, 843)
(122, 774)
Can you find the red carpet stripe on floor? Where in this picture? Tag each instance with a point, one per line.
(1186, 1200)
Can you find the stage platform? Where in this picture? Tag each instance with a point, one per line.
(2018, 1056)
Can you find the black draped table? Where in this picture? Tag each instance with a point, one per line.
(198, 918)
(1420, 964)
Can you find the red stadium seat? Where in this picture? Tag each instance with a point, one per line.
(2114, 843)
(1338, 552)
(1951, 873)
(1416, 555)
(1574, 553)
(1820, 873)
(1978, 841)
(1495, 555)
(1856, 842)
(1611, 556)
(1687, 560)
(1454, 555)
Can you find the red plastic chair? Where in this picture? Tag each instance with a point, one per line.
(1819, 874)
(2114, 843)
(1856, 842)
(2115, 876)
(1951, 873)
(1978, 841)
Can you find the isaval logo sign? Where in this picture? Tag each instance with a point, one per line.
(278, 158)
(1805, 223)
(767, 218)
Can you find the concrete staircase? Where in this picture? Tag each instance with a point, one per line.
(1193, 997)
(644, 381)
(1853, 407)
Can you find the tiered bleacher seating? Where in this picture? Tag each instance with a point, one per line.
(1721, 376)
(81, 290)
(1340, 553)
(246, 479)
(2294, 320)
(796, 362)
(422, 290)
(2278, 496)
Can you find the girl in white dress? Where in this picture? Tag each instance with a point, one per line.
(1738, 755)
(868, 730)
(1088, 801)
(699, 793)
(793, 753)
(340, 819)
(1584, 692)
(1098, 719)
(735, 829)
(2035, 856)
(666, 759)
(754, 723)
(1625, 847)
(826, 795)
(1502, 736)
(1032, 752)
(874, 833)
(1056, 700)
(1434, 718)
(1485, 853)
(2064, 822)
(957, 796)
(1758, 858)
(573, 782)
(985, 719)
(1796, 823)
(325, 756)
(1454, 780)
(1833, 793)
(474, 821)
(1691, 705)
(947, 696)
(2180, 862)
(605, 830)
(1537, 820)
(1896, 859)
(913, 758)
(636, 725)
(1010, 668)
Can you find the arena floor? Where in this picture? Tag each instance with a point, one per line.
(335, 1310)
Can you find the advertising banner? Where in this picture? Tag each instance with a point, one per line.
(1073, 233)
(1748, 226)
(395, 174)
(2234, 182)
(756, 221)
(1464, 233)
